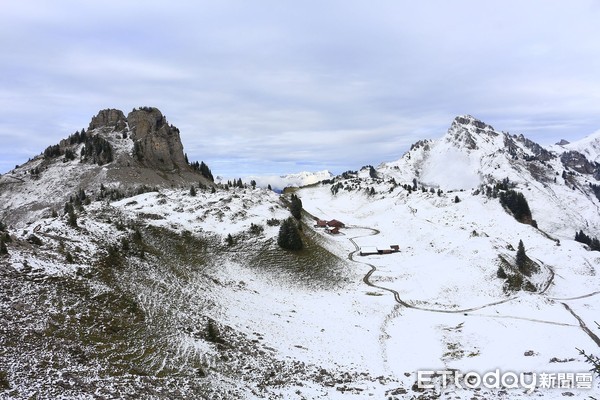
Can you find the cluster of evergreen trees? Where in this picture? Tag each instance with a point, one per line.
(289, 237)
(52, 152)
(594, 243)
(97, 149)
(202, 168)
(517, 204)
(236, 184)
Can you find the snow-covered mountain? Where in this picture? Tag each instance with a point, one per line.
(165, 291)
(280, 182)
(588, 146)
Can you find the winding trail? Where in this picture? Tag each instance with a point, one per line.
(582, 324)
(398, 299)
(576, 298)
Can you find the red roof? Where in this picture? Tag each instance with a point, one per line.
(336, 223)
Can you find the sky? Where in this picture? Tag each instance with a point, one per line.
(273, 87)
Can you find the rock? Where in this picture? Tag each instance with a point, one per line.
(109, 118)
(157, 144)
(577, 162)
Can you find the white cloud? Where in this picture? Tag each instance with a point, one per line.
(280, 87)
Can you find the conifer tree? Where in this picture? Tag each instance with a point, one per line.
(501, 273)
(289, 236)
(192, 191)
(521, 259)
(296, 206)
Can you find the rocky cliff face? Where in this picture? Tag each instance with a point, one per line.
(109, 118)
(157, 144)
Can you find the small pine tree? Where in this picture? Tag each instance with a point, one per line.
(192, 191)
(69, 257)
(296, 207)
(456, 199)
(3, 248)
(229, 240)
(521, 260)
(72, 217)
(501, 273)
(269, 187)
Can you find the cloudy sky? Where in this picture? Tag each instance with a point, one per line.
(269, 87)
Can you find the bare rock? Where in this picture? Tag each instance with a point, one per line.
(109, 118)
(157, 144)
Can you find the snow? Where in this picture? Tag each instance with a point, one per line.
(589, 146)
(451, 168)
(446, 270)
(437, 304)
(280, 182)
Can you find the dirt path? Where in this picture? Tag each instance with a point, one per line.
(398, 299)
(366, 280)
(583, 326)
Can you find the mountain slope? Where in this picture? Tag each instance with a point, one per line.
(121, 153)
(167, 292)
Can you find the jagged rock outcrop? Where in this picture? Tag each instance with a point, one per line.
(464, 128)
(539, 152)
(109, 118)
(577, 161)
(156, 143)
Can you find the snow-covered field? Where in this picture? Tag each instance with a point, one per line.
(446, 270)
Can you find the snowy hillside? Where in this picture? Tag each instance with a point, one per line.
(180, 290)
(280, 182)
(588, 146)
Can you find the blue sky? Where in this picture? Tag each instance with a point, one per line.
(270, 87)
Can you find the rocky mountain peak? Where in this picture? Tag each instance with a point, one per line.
(157, 144)
(109, 118)
(471, 123)
(465, 129)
